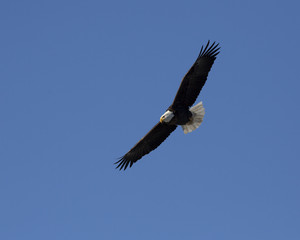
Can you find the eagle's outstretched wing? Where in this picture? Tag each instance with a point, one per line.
(148, 143)
(195, 78)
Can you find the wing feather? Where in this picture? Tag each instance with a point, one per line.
(148, 143)
(194, 80)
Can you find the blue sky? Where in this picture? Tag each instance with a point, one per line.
(82, 81)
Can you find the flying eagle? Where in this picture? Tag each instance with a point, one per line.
(180, 112)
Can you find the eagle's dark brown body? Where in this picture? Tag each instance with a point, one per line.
(182, 115)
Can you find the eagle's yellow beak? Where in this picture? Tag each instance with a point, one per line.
(161, 120)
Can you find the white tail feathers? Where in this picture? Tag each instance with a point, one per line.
(198, 112)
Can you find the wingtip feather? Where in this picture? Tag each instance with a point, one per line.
(209, 51)
(123, 163)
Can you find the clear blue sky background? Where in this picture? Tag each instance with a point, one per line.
(82, 81)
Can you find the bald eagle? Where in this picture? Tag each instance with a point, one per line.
(180, 112)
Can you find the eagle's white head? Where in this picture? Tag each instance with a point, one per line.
(167, 116)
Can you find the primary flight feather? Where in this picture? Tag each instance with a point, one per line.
(180, 112)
